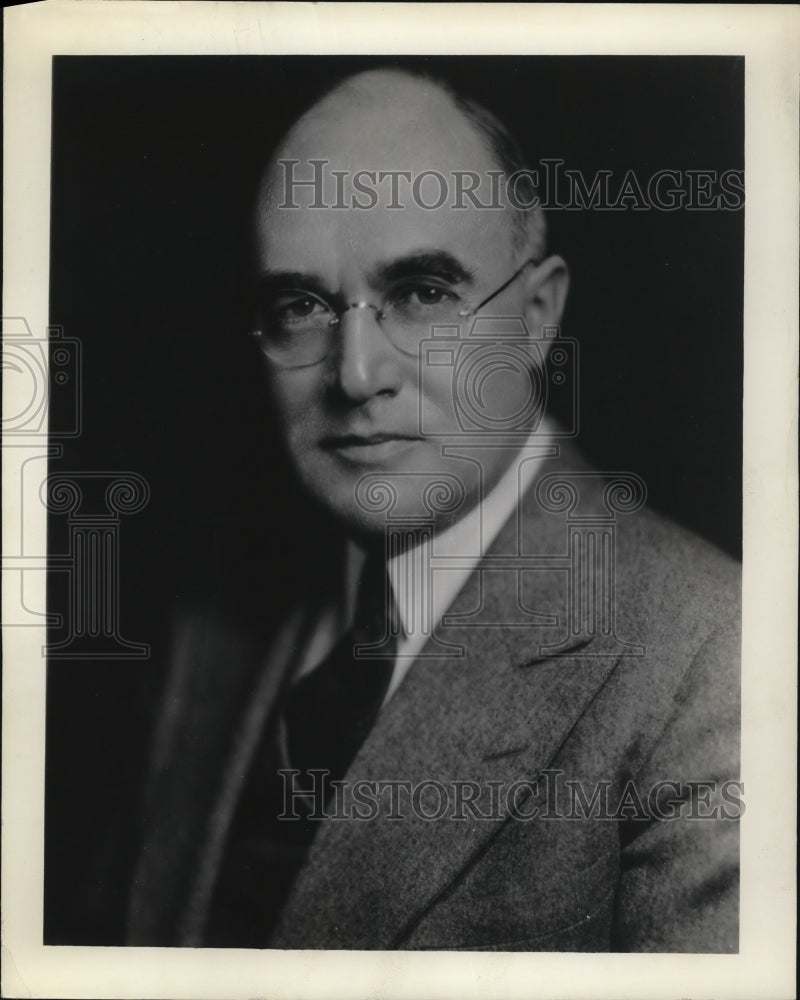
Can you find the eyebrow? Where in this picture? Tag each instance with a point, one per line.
(270, 282)
(432, 263)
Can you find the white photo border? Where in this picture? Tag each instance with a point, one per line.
(767, 36)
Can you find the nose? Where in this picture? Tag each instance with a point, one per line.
(366, 363)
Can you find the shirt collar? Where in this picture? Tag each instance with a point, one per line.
(470, 537)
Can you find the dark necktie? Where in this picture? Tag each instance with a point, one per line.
(331, 710)
(328, 714)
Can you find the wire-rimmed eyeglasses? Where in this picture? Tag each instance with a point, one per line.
(298, 328)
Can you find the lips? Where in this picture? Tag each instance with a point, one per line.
(370, 448)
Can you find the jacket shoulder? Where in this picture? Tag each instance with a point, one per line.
(669, 575)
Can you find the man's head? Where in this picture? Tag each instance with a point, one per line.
(407, 226)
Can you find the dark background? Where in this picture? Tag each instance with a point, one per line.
(154, 162)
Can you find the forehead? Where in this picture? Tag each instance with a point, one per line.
(399, 150)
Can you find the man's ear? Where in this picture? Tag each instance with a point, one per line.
(546, 287)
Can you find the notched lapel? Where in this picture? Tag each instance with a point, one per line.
(498, 715)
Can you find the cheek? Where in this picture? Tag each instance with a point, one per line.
(436, 400)
(482, 388)
(295, 399)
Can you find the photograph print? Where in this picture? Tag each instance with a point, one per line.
(394, 517)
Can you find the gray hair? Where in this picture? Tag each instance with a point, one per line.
(529, 222)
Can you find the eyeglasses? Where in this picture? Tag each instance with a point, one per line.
(298, 328)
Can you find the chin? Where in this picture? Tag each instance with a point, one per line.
(365, 499)
(371, 506)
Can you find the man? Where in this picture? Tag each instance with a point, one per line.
(502, 712)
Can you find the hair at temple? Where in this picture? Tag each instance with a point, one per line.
(530, 226)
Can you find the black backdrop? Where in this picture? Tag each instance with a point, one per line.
(153, 167)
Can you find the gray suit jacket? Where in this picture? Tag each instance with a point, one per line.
(551, 700)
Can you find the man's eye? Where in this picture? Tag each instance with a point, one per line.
(301, 307)
(423, 294)
(292, 308)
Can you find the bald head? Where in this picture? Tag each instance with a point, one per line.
(402, 125)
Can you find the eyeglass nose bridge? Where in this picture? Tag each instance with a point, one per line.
(380, 314)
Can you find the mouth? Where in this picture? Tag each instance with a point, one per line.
(370, 448)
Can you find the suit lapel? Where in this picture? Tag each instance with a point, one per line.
(497, 714)
(218, 698)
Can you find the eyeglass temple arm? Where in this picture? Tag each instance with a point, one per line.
(502, 288)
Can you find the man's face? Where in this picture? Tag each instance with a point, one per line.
(356, 412)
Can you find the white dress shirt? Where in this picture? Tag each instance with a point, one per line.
(469, 538)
